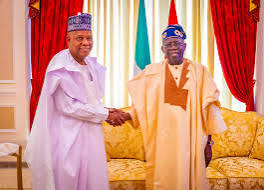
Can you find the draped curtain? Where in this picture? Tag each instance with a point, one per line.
(48, 37)
(114, 34)
(34, 8)
(114, 31)
(235, 32)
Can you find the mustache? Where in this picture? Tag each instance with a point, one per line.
(175, 51)
(86, 48)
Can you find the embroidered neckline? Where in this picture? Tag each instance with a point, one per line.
(173, 94)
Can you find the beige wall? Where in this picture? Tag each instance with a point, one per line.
(6, 39)
(7, 118)
(14, 93)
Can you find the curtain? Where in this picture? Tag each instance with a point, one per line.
(48, 37)
(235, 32)
(195, 16)
(34, 8)
(114, 31)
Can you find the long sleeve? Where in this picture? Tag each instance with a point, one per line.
(76, 109)
(133, 114)
(215, 122)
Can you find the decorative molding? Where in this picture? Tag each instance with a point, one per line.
(15, 118)
(4, 92)
(13, 45)
(9, 81)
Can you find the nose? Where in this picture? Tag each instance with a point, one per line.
(174, 46)
(85, 41)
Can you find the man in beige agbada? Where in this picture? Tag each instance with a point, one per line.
(176, 104)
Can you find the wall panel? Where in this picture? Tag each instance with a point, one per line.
(6, 39)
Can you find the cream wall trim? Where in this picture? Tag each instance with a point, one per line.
(14, 44)
(10, 130)
(8, 81)
(7, 92)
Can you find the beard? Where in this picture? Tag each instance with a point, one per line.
(175, 59)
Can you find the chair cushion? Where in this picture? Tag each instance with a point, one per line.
(238, 139)
(126, 169)
(123, 141)
(242, 173)
(258, 146)
(214, 173)
(7, 149)
(235, 167)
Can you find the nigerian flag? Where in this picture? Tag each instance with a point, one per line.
(142, 55)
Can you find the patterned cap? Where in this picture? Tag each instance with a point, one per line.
(174, 31)
(82, 21)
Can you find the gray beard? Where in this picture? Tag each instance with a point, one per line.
(176, 62)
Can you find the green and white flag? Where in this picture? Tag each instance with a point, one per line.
(142, 55)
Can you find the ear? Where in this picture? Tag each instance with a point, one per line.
(162, 49)
(68, 38)
(184, 46)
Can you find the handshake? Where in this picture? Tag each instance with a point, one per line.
(117, 117)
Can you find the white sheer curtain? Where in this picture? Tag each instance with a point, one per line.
(114, 29)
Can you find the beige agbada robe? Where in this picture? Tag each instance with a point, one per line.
(174, 138)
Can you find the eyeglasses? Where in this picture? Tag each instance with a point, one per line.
(80, 38)
(176, 44)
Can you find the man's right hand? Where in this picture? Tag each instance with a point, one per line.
(117, 117)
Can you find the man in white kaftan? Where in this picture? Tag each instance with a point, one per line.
(65, 149)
